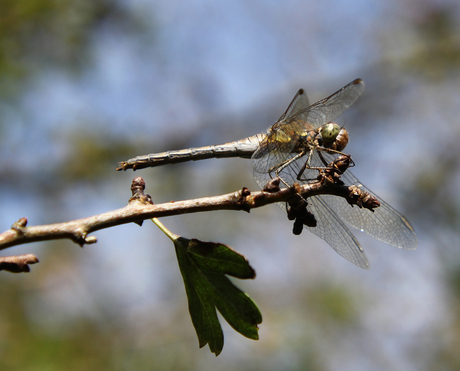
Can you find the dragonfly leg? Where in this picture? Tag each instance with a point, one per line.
(305, 166)
(322, 159)
(319, 168)
(285, 164)
(335, 152)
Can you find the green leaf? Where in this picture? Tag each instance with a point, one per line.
(204, 266)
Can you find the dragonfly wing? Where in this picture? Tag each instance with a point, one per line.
(383, 223)
(298, 118)
(288, 174)
(328, 109)
(329, 227)
(278, 144)
(273, 150)
(332, 230)
(298, 103)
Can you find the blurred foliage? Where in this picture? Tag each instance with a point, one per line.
(332, 304)
(26, 346)
(434, 193)
(445, 348)
(93, 337)
(438, 50)
(83, 343)
(91, 156)
(35, 34)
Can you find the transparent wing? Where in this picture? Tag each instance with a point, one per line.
(298, 103)
(383, 223)
(328, 109)
(276, 148)
(279, 141)
(299, 118)
(290, 172)
(332, 230)
(328, 226)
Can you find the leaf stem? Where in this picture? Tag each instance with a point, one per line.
(166, 231)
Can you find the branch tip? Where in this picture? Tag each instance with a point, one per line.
(17, 264)
(90, 240)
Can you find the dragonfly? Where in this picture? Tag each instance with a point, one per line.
(304, 141)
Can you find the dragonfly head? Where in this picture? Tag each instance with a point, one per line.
(333, 136)
(329, 133)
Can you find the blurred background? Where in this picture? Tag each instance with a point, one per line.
(85, 84)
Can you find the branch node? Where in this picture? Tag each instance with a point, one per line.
(138, 195)
(273, 185)
(18, 225)
(80, 236)
(243, 199)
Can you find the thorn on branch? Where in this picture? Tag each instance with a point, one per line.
(18, 263)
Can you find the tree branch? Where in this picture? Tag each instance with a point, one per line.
(140, 207)
(18, 263)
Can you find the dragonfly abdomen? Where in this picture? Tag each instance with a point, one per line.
(241, 148)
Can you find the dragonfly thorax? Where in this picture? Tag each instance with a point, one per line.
(341, 141)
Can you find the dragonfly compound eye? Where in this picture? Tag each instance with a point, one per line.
(329, 132)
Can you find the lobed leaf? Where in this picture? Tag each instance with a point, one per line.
(204, 267)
